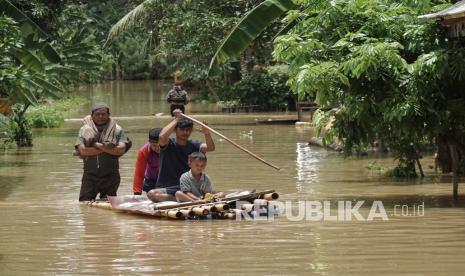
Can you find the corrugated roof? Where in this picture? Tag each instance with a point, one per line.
(454, 11)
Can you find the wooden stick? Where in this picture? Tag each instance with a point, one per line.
(232, 142)
(226, 200)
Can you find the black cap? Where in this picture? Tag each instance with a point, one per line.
(154, 134)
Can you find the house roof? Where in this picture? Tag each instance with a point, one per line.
(455, 11)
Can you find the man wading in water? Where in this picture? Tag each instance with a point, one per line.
(100, 143)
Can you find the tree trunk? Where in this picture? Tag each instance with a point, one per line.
(450, 155)
(245, 60)
(420, 168)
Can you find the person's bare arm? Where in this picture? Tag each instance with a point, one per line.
(218, 194)
(209, 145)
(168, 129)
(192, 196)
(185, 196)
(116, 151)
(88, 151)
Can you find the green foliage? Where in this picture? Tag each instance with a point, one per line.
(133, 59)
(378, 72)
(231, 103)
(80, 44)
(35, 67)
(22, 78)
(19, 127)
(248, 28)
(405, 168)
(52, 114)
(45, 117)
(6, 137)
(182, 34)
(267, 90)
(375, 167)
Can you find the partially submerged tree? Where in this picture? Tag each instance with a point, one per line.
(383, 75)
(32, 70)
(380, 74)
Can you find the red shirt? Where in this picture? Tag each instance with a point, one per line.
(147, 165)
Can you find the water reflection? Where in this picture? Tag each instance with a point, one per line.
(45, 231)
(307, 165)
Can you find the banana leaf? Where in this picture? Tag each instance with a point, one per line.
(83, 63)
(27, 94)
(49, 88)
(50, 53)
(28, 59)
(77, 49)
(61, 70)
(249, 28)
(30, 30)
(12, 11)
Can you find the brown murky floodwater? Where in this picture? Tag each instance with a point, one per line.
(45, 231)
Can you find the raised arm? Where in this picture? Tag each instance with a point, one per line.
(209, 145)
(166, 132)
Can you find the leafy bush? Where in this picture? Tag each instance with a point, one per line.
(268, 90)
(228, 103)
(52, 114)
(6, 137)
(45, 117)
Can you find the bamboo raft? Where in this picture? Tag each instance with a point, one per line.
(225, 208)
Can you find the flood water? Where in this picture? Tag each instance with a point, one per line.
(45, 231)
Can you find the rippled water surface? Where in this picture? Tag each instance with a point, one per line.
(45, 231)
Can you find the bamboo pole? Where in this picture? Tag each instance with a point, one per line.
(174, 214)
(219, 207)
(271, 196)
(200, 211)
(210, 208)
(187, 213)
(232, 142)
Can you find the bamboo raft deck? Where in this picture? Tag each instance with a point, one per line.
(225, 208)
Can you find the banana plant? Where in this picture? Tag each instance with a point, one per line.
(249, 28)
(32, 33)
